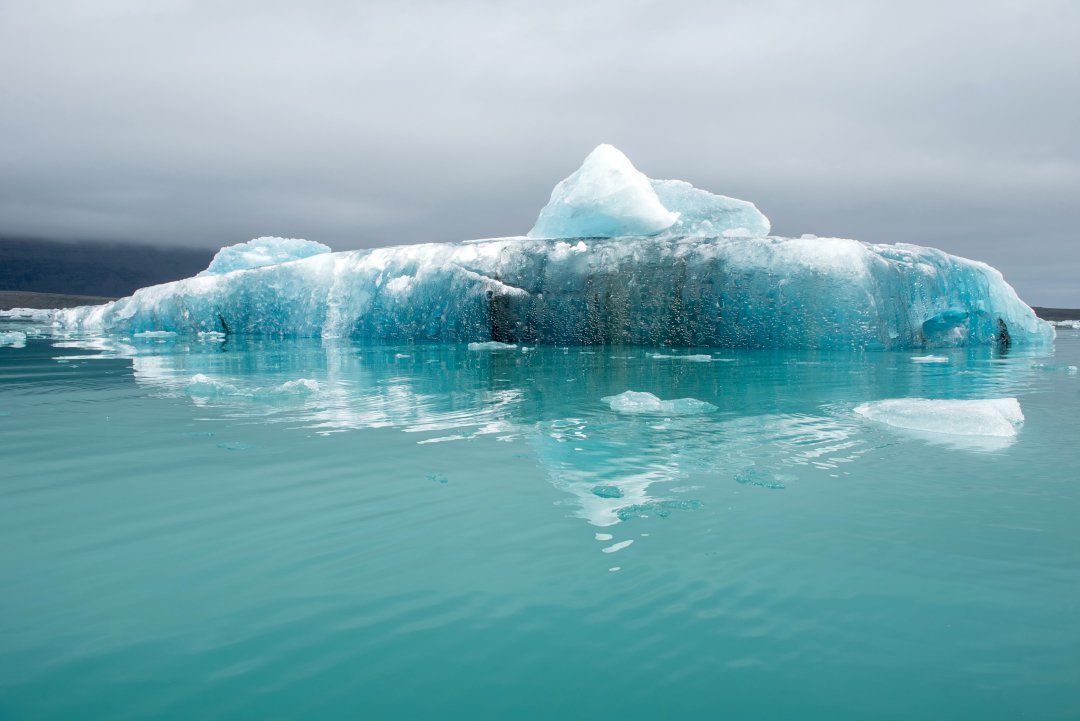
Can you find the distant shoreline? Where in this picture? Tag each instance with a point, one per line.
(1056, 313)
(27, 299)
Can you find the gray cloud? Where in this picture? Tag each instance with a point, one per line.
(947, 124)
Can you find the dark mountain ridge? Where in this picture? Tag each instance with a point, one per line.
(93, 268)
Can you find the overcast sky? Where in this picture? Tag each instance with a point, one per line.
(952, 124)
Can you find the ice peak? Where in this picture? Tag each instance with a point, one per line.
(608, 197)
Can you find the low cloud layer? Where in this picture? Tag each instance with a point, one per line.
(360, 124)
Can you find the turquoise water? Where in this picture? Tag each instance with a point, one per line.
(220, 529)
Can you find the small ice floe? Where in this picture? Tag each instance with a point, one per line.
(1055, 367)
(13, 339)
(616, 547)
(203, 386)
(604, 536)
(37, 314)
(492, 345)
(929, 359)
(699, 358)
(994, 417)
(443, 439)
(641, 402)
(154, 334)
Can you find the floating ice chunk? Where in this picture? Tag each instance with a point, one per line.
(930, 359)
(36, 314)
(261, 252)
(13, 339)
(604, 198)
(705, 214)
(492, 345)
(639, 402)
(203, 386)
(298, 387)
(996, 417)
(698, 358)
(616, 547)
(155, 334)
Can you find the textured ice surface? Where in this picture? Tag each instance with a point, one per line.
(639, 402)
(705, 292)
(997, 417)
(702, 213)
(38, 314)
(262, 252)
(699, 278)
(696, 358)
(604, 198)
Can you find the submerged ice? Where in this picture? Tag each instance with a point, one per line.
(995, 417)
(614, 258)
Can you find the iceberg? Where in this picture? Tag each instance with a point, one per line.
(655, 263)
(261, 252)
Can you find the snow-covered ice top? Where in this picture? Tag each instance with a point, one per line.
(607, 197)
(260, 252)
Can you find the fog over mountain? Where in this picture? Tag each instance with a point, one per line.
(356, 124)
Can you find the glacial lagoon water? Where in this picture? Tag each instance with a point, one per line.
(219, 528)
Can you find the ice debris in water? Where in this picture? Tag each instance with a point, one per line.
(929, 359)
(608, 197)
(697, 280)
(262, 252)
(205, 387)
(640, 402)
(492, 345)
(697, 358)
(12, 339)
(38, 314)
(995, 417)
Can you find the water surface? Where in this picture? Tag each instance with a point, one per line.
(224, 528)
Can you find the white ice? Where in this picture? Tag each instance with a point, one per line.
(12, 339)
(604, 198)
(261, 252)
(639, 402)
(995, 417)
